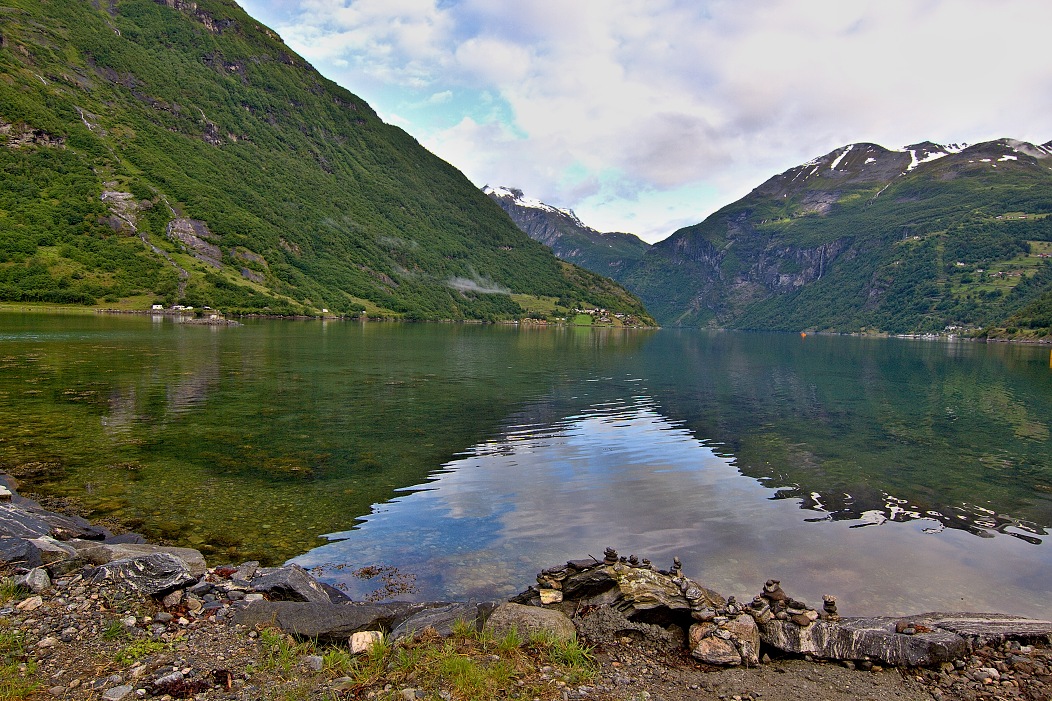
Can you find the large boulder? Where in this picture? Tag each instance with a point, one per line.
(24, 518)
(726, 641)
(290, 583)
(865, 638)
(19, 552)
(442, 619)
(153, 574)
(324, 621)
(527, 620)
(103, 553)
(984, 628)
(52, 550)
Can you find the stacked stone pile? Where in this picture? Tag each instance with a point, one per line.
(721, 631)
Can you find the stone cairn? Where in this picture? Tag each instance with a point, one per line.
(720, 631)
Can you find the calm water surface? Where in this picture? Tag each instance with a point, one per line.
(459, 460)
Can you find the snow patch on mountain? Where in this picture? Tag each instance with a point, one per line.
(521, 200)
(839, 158)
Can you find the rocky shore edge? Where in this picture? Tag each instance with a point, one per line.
(655, 632)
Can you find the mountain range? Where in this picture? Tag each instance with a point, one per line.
(178, 152)
(915, 240)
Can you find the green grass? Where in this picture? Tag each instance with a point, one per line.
(18, 678)
(320, 205)
(9, 590)
(138, 649)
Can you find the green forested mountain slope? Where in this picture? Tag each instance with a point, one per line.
(177, 151)
(609, 254)
(865, 238)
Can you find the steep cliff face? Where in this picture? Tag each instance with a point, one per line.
(865, 237)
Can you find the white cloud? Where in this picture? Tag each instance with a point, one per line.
(645, 100)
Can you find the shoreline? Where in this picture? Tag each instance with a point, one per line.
(210, 627)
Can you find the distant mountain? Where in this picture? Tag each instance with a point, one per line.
(169, 151)
(868, 238)
(609, 254)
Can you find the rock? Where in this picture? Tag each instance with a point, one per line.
(103, 553)
(125, 539)
(530, 619)
(313, 662)
(36, 580)
(30, 604)
(117, 693)
(19, 552)
(363, 641)
(150, 574)
(985, 628)
(24, 518)
(173, 599)
(864, 638)
(52, 551)
(746, 637)
(646, 589)
(716, 651)
(290, 583)
(17, 522)
(245, 571)
(551, 596)
(443, 618)
(326, 622)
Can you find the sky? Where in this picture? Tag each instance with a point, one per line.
(648, 115)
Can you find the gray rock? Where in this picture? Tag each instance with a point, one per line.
(117, 693)
(290, 583)
(864, 638)
(19, 552)
(20, 523)
(984, 628)
(443, 618)
(35, 580)
(528, 620)
(24, 518)
(125, 538)
(152, 574)
(52, 550)
(102, 553)
(326, 622)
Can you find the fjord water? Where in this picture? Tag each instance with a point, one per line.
(458, 460)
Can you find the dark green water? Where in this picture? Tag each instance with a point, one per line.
(899, 475)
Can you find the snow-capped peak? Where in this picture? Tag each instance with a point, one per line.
(517, 196)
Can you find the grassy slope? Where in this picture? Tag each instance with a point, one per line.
(311, 200)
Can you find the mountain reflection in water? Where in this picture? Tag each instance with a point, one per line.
(622, 475)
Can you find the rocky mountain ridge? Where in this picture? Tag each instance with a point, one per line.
(609, 254)
(868, 238)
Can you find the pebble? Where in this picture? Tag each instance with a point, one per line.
(117, 693)
(30, 604)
